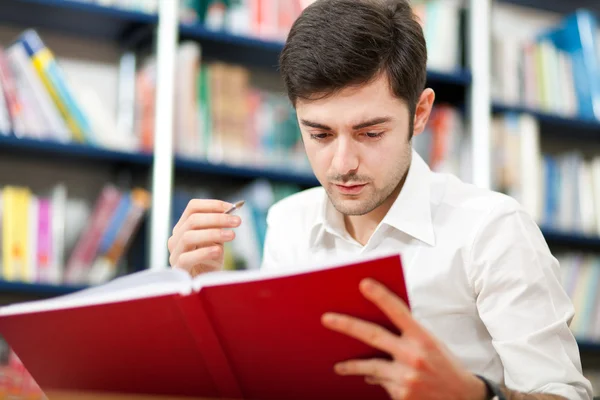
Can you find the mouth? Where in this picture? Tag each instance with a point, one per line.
(350, 189)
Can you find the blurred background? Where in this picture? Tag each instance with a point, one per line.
(88, 191)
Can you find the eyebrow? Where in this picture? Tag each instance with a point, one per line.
(372, 122)
(362, 125)
(316, 125)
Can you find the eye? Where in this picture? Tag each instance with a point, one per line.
(374, 135)
(319, 136)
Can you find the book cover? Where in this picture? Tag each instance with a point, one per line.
(250, 334)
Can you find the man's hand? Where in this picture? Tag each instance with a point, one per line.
(197, 241)
(422, 368)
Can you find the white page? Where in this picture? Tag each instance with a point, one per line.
(138, 285)
(153, 283)
(227, 277)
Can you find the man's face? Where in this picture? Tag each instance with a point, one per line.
(357, 141)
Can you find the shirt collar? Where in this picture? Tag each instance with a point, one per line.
(410, 213)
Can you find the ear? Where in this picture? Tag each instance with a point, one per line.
(423, 110)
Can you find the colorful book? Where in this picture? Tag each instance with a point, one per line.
(53, 124)
(86, 249)
(44, 242)
(15, 225)
(51, 74)
(577, 35)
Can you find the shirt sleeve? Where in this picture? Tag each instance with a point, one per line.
(521, 301)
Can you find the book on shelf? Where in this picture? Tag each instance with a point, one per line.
(39, 101)
(441, 22)
(554, 68)
(273, 19)
(444, 145)
(561, 191)
(220, 116)
(217, 335)
(580, 277)
(34, 235)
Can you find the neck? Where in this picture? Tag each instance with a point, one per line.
(362, 227)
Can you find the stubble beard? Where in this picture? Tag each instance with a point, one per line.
(366, 201)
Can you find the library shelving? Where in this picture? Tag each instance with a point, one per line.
(576, 128)
(303, 179)
(588, 346)
(72, 151)
(77, 17)
(37, 289)
(572, 240)
(558, 6)
(265, 53)
(564, 133)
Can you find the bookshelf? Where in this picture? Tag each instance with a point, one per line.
(572, 240)
(72, 151)
(265, 53)
(588, 346)
(115, 24)
(127, 28)
(558, 6)
(76, 17)
(37, 289)
(304, 179)
(558, 135)
(579, 129)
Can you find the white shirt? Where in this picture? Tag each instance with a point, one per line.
(479, 274)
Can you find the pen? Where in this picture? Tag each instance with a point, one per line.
(236, 206)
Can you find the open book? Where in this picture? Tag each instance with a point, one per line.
(244, 334)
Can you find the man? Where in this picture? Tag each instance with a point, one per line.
(488, 315)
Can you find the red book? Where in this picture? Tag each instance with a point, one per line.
(242, 334)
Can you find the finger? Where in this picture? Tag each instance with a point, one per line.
(191, 240)
(392, 306)
(367, 332)
(204, 206)
(199, 221)
(207, 266)
(209, 256)
(211, 220)
(380, 370)
(372, 381)
(395, 390)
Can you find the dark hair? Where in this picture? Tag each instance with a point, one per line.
(338, 43)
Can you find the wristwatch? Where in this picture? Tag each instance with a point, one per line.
(493, 390)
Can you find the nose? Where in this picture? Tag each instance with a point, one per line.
(346, 158)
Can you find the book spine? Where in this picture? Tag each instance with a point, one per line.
(53, 122)
(30, 269)
(8, 272)
(5, 121)
(15, 227)
(50, 73)
(58, 221)
(105, 266)
(115, 224)
(13, 102)
(140, 202)
(86, 248)
(44, 242)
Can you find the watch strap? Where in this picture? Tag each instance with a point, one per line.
(493, 390)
